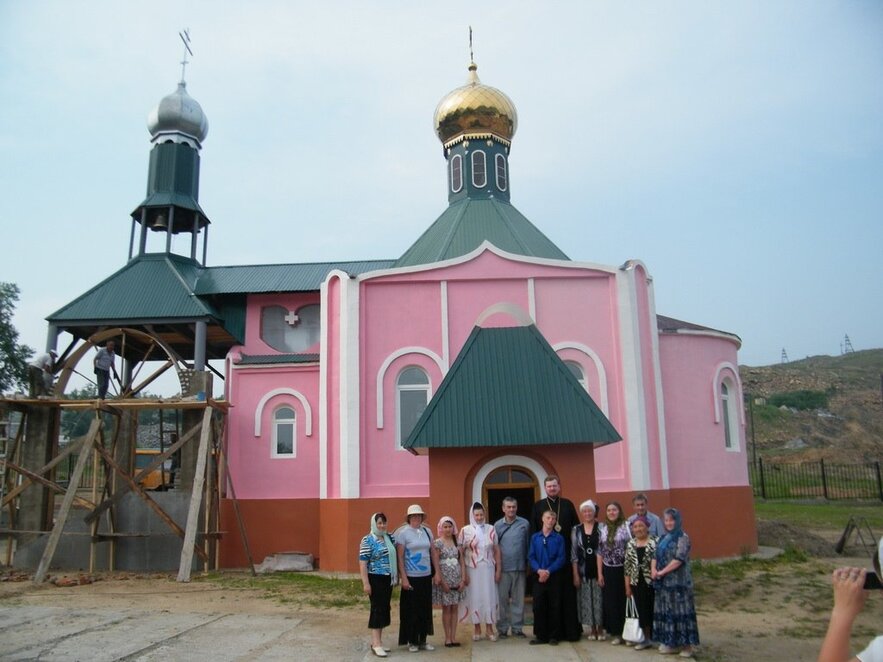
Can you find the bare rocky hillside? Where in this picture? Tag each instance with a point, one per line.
(847, 426)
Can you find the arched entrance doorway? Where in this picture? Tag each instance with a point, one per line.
(514, 481)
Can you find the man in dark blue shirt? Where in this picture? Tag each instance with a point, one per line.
(547, 559)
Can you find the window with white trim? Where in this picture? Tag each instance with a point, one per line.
(479, 169)
(456, 173)
(502, 179)
(284, 425)
(577, 370)
(412, 396)
(729, 415)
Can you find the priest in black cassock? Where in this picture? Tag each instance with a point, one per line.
(567, 518)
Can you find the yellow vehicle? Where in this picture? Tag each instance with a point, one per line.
(159, 478)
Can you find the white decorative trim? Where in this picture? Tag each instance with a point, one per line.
(715, 390)
(633, 380)
(532, 299)
(308, 412)
(323, 392)
(489, 247)
(274, 440)
(513, 310)
(427, 389)
(657, 373)
(599, 367)
(445, 330)
(350, 460)
(381, 373)
(531, 465)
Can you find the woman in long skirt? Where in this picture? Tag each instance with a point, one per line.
(613, 534)
(674, 610)
(413, 544)
(483, 568)
(639, 554)
(377, 566)
(583, 554)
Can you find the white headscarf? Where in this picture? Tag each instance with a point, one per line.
(481, 530)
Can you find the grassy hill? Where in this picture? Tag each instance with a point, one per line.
(821, 407)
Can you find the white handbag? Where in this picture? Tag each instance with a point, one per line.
(632, 631)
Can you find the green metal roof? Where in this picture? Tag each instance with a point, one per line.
(272, 359)
(508, 387)
(278, 277)
(467, 223)
(149, 287)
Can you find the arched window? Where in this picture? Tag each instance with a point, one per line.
(456, 173)
(502, 180)
(729, 415)
(479, 169)
(284, 420)
(578, 372)
(290, 330)
(412, 395)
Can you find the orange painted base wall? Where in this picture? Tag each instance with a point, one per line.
(720, 520)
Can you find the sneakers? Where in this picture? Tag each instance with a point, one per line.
(616, 641)
(412, 648)
(644, 645)
(425, 647)
(666, 650)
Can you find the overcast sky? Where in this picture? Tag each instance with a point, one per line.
(735, 148)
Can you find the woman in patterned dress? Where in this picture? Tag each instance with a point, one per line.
(583, 552)
(639, 554)
(674, 610)
(613, 534)
(482, 554)
(449, 583)
(377, 565)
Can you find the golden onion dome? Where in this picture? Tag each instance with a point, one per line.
(475, 111)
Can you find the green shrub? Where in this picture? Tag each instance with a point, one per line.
(799, 399)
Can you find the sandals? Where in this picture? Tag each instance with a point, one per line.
(379, 651)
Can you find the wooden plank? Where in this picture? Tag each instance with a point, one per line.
(137, 489)
(62, 455)
(157, 461)
(67, 502)
(229, 480)
(195, 497)
(55, 487)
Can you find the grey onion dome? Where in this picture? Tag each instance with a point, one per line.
(178, 113)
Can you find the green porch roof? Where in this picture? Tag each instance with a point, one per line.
(256, 278)
(467, 223)
(150, 287)
(508, 387)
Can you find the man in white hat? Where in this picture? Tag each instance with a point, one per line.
(40, 373)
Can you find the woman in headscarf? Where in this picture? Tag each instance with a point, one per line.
(449, 583)
(639, 555)
(613, 534)
(583, 554)
(413, 544)
(377, 565)
(674, 610)
(482, 555)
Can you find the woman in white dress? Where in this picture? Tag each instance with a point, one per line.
(482, 555)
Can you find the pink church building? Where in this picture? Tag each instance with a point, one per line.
(370, 388)
(477, 363)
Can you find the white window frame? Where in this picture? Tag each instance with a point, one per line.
(483, 169)
(729, 415)
(582, 373)
(459, 159)
(500, 163)
(401, 388)
(275, 423)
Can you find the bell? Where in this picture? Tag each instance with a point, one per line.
(159, 223)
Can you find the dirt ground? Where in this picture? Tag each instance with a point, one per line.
(774, 613)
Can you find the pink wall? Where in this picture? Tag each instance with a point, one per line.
(696, 453)
(256, 474)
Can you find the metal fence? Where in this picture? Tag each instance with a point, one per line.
(808, 480)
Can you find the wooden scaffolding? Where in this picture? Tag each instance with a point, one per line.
(98, 446)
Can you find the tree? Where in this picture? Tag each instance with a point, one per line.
(13, 356)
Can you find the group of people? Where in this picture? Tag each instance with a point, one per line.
(585, 568)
